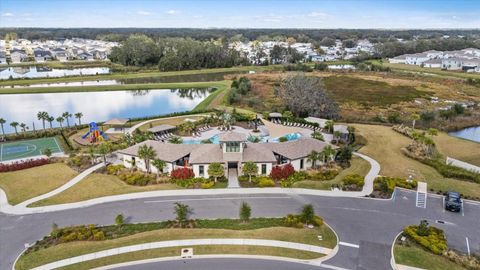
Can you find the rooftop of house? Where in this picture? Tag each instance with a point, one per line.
(232, 136)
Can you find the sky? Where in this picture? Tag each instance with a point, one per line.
(398, 14)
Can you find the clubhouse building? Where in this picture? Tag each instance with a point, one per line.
(233, 151)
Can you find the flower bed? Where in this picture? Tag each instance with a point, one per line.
(21, 165)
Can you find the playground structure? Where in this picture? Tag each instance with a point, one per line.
(94, 134)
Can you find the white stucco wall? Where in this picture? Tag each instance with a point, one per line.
(140, 164)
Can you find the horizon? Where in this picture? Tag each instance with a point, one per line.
(266, 14)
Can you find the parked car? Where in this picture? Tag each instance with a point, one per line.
(453, 202)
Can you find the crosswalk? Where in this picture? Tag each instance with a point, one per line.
(421, 200)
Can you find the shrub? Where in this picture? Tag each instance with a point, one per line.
(325, 175)
(136, 178)
(434, 240)
(293, 221)
(266, 182)
(21, 165)
(387, 184)
(318, 221)
(114, 169)
(353, 181)
(182, 173)
(282, 172)
(308, 213)
(245, 212)
(207, 185)
(98, 236)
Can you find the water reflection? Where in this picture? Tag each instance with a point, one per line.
(97, 106)
(471, 133)
(46, 72)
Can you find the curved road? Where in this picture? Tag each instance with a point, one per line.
(366, 227)
(221, 264)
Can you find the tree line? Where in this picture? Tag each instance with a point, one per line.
(301, 35)
(171, 54)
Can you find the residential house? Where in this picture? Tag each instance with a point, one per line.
(433, 63)
(453, 63)
(3, 57)
(42, 55)
(17, 55)
(416, 59)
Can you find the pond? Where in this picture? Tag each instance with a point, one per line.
(97, 106)
(46, 72)
(206, 77)
(471, 133)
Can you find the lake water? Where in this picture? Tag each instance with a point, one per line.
(471, 133)
(45, 72)
(97, 106)
(206, 77)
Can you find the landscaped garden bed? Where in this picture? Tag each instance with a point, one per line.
(425, 247)
(77, 240)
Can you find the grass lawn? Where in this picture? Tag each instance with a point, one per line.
(169, 121)
(384, 145)
(119, 87)
(197, 250)
(99, 185)
(461, 149)
(418, 257)
(25, 184)
(67, 250)
(358, 166)
(346, 89)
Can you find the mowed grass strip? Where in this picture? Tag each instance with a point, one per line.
(345, 89)
(197, 250)
(358, 166)
(25, 184)
(458, 148)
(72, 249)
(384, 145)
(99, 185)
(418, 257)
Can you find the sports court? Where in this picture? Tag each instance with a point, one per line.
(28, 148)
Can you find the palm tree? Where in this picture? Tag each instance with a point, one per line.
(313, 157)
(79, 116)
(328, 152)
(42, 116)
(103, 149)
(91, 154)
(24, 127)
(2, 122)
(146, 153)
(329, 126)
(159, 164)
(336, 135)
(50, 120)
(14, 125)
(67, 115)
(60, 121)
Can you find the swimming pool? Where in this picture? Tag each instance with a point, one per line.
(214, 139)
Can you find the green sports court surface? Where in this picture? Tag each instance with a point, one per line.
(27, 148)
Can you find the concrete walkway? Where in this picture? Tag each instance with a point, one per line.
(233, 178)
(181, 243)
(21, 208)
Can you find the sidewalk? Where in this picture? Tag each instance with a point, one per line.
(181, 243)
(21, 208)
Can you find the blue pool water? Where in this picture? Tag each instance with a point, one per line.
(215, 140)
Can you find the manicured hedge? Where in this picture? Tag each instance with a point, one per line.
(282, 172)
(435, 241)
(21, 165)
(182, 173)
(387, 184)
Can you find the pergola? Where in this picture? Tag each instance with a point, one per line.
(161, 128)
(116, 124)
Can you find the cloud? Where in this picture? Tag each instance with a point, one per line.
(7, 14)
(172, 12)
(143, 13)
(317, 14)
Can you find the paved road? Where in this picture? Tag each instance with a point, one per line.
(222, 264)
(364, 226)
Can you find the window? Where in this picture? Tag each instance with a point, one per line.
(301, 164)
(264, 168)
(232, 147)
(201, 170)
